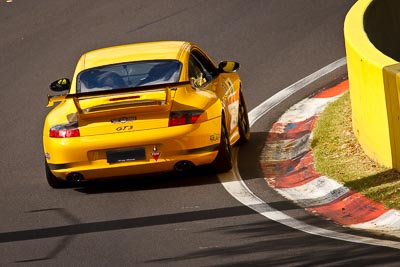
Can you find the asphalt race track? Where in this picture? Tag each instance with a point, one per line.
(159, 220)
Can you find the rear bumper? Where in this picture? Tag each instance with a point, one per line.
(101, 169)
(163, 148)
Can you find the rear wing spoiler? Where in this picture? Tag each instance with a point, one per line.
(144, 99)
(51, 100)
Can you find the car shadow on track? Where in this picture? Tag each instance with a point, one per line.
(249, 156)
(198, 176)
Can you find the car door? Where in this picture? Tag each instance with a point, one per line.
(205, 76)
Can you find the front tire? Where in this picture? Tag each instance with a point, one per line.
(223, 161)
(243, 121)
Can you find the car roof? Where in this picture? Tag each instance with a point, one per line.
(134, 52)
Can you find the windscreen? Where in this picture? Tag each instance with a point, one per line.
(126, 75)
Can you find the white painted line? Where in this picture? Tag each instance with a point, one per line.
(282, 95)
(234, 184)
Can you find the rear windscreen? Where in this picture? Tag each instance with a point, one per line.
(126, 75)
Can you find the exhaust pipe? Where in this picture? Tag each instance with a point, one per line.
(183, 166)
(75, 177)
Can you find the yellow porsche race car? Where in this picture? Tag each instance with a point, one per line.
(143, 108)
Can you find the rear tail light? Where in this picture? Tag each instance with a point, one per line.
(65, 130)
(186, 117)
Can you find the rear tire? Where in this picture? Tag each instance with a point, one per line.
(223, 161)
(53, 181)
(243, 121)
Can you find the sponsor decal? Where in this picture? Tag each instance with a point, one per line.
(214, 137)
(227, 85)
(155, 154)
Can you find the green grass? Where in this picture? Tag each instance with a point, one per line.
(338, 155)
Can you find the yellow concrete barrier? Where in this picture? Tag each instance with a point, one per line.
(391, 77)
(374, 79)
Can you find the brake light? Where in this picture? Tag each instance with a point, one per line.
(64, 130)
(186, 117)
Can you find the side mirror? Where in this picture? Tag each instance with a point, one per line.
(60, 85)
(228, 66)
